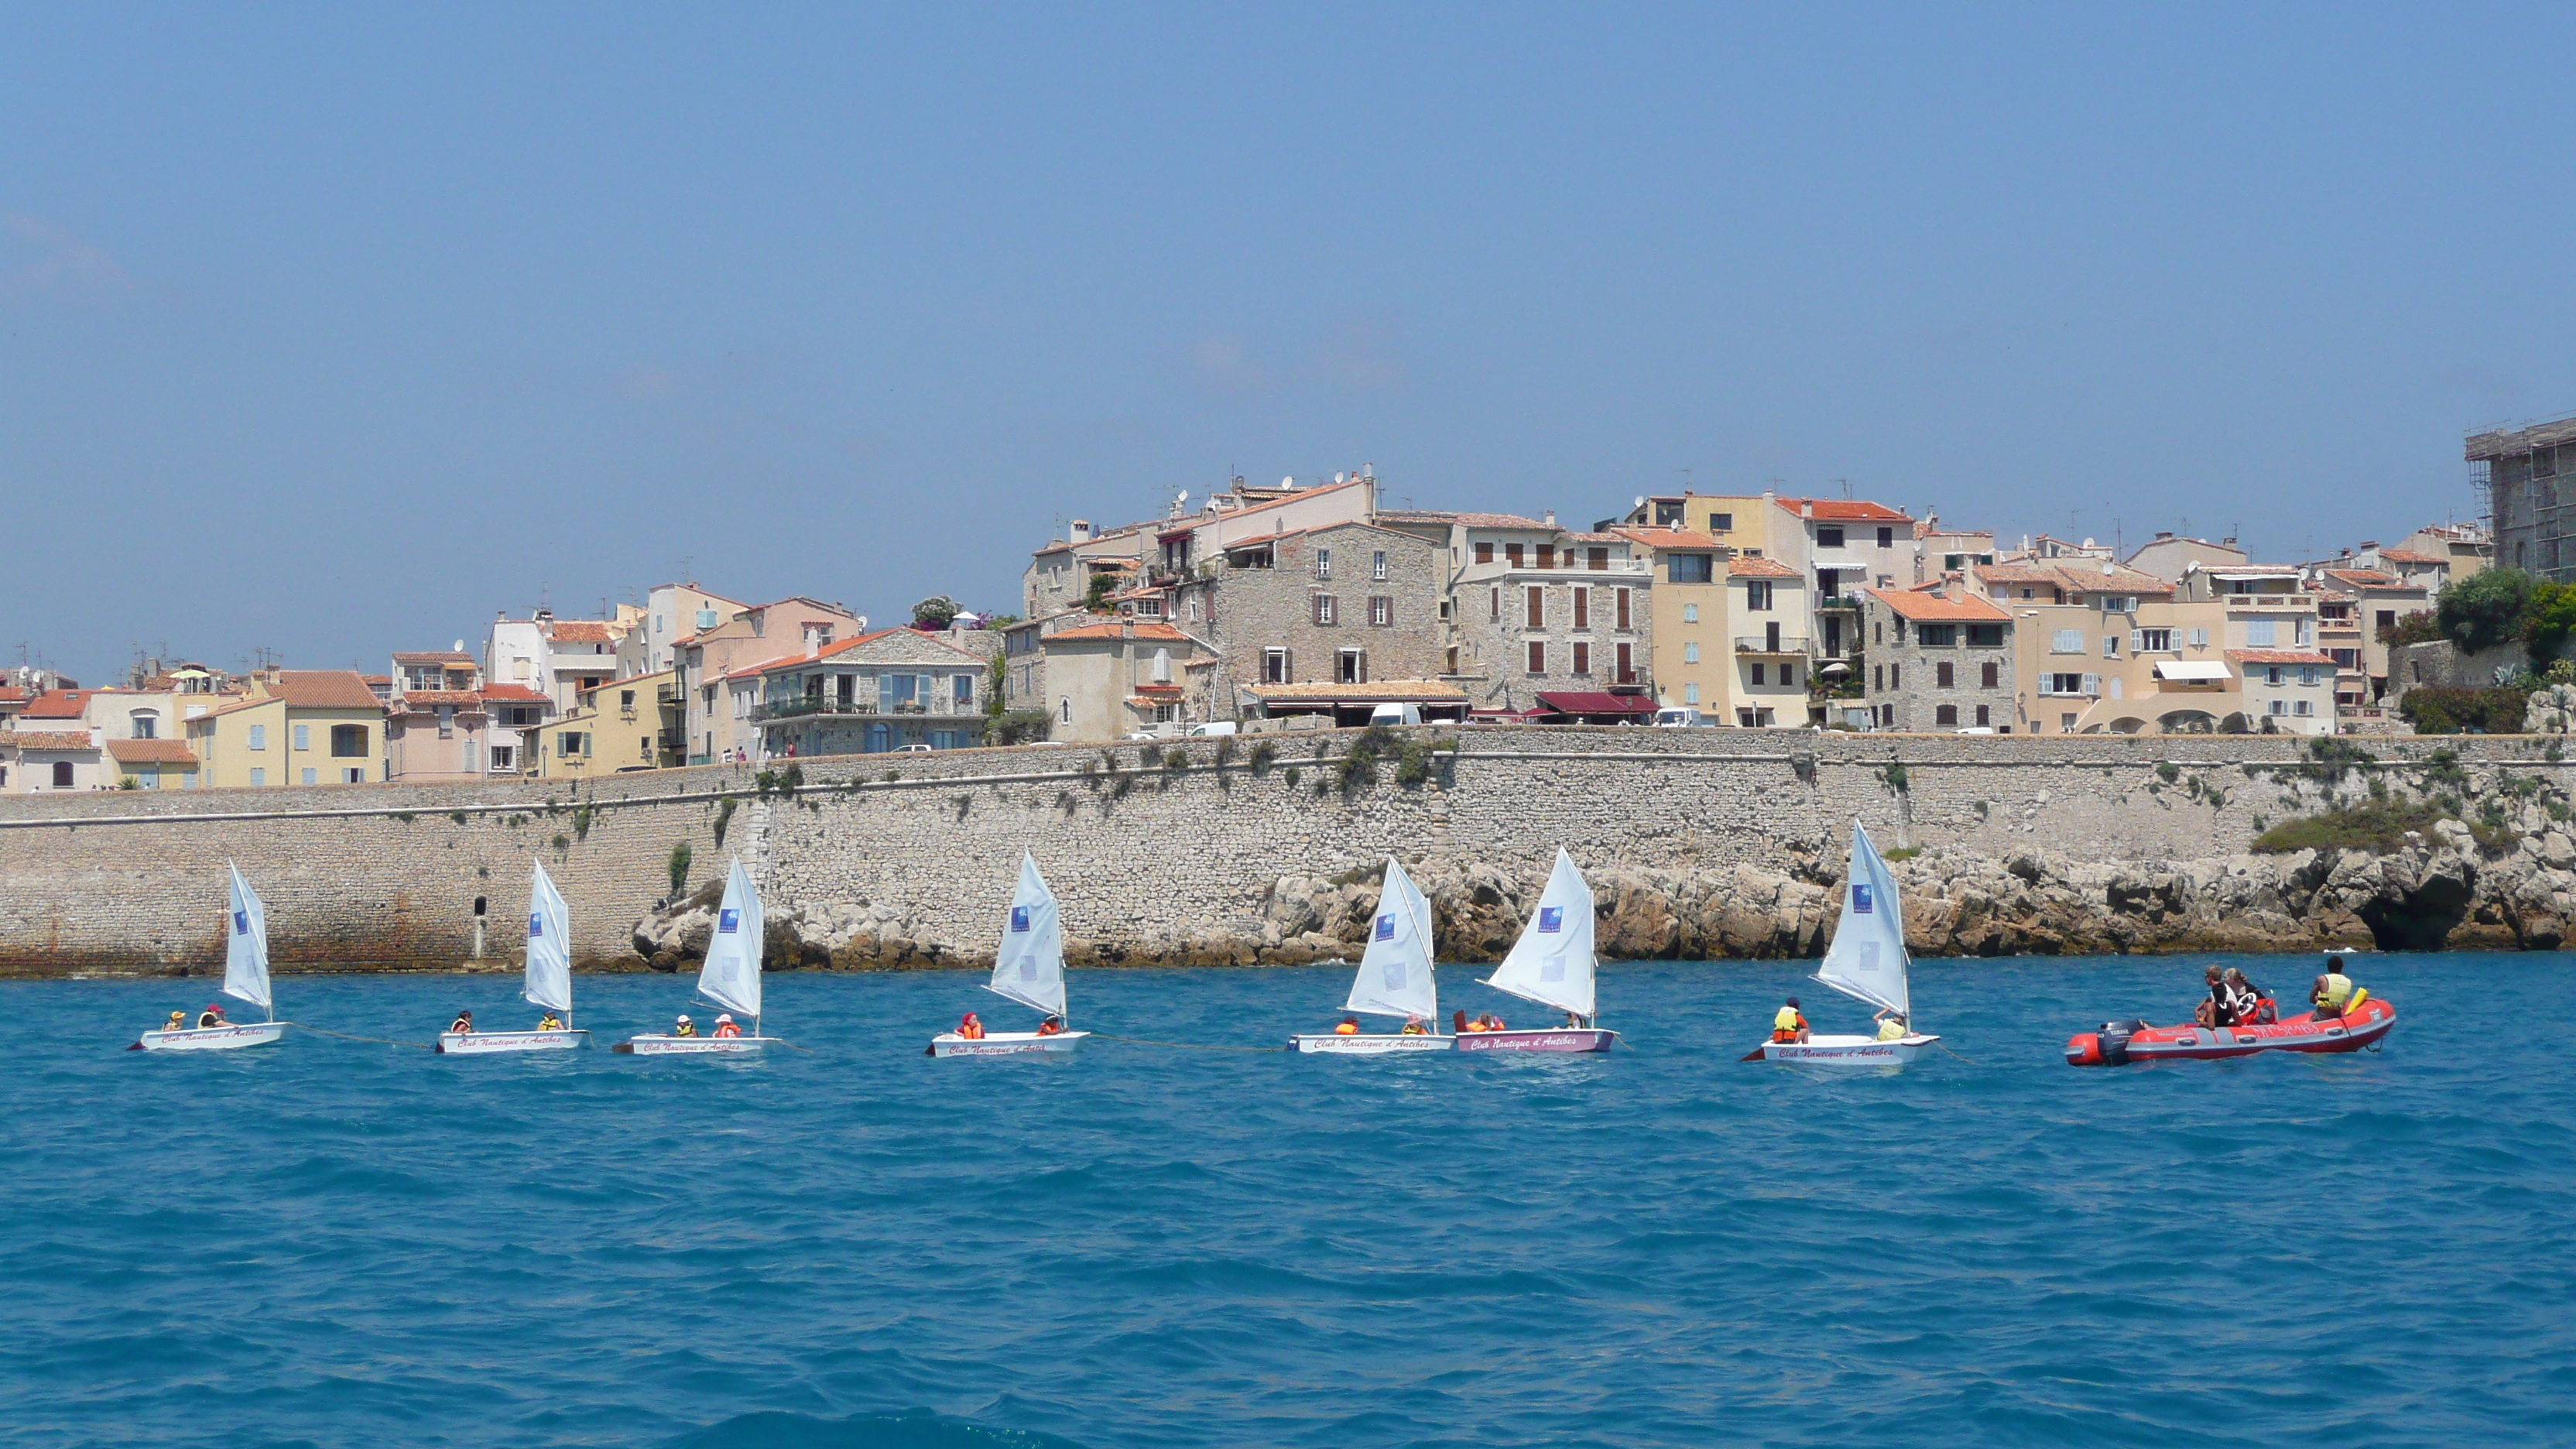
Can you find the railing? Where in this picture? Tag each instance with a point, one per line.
(1764, 644)
(1839, 601)
(802, 708)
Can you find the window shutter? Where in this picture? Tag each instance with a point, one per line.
(2067, 641)
(2092, 686)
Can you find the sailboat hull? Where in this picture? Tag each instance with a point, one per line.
(1848, 1051)
(1008, 1044)
(1562, 1039)
(484, 1043)
(213, 1038)
(666, 1046)
(1366, 1045)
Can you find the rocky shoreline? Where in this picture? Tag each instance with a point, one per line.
(2442, 891)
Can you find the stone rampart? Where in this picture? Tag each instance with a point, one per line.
(904, 859)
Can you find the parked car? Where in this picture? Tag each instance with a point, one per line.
(1212, 729)
(914, 750)
(1396, 714)
(1679, 717)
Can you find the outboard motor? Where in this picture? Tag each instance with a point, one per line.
(2108, 1047)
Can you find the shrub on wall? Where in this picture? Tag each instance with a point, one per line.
(2441, 710)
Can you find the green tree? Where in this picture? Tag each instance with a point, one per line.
(936, 611)
(2486, 609)
(2549, 622)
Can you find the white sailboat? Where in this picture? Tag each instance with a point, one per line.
(1553, 964)
(1394, 977)
(245, 979)
(1868, 962)
(1028, 968)
(549, 981)
(730, 976)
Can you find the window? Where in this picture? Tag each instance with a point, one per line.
(706, 618)
(63, 775)
(1892, 681)
(1986, 673)
(570, 744)
(2119, 604)
(349, 742)
(504, 757)
(2110, 646)
(2261, 633)
(2388, 618)
(1690, 568)
(258, 776)
(353, 775)
(1377, 564)
(965, 687)
(1274, 667)
(2302, 707)
(1323, 563)
(1690, 613)
(1064, 705)
(1495, 602)
(2275, 707)
(1789, 674)
(1668, 511)
(1582, 608)
(258, 737)
(2062, 684)
(1622, 597)
(1982, 720)
(1324, 609)
(2066, 641)
(1582, 658)
(2152, 641)
(1721, 522)
(1887, 538)
(1937, 636)
(2345, 658)
(1627, 665)
(1946, 716)
(1485, 552)
(1537, 656)
(1690, 653)
(1598, 558)
(1512, 554)
(1351, 667)
(2066, 724)
(1985, 636)
(1547, 555)
(2299, 632)
(144, 723)
(2200, 638)
(1690, 694)
(1829, 538)
(1381, 610)
(1757, 673)
(1538, 608)
(309, 773)
(1941, 676)
(1757, 595)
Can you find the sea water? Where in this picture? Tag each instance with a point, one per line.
(337, 1242)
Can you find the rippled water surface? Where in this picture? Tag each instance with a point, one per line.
(334, 1242)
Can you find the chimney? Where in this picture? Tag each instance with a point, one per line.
(2163, 534)
(1806, 508)
(1081, 530)
(1548, 518)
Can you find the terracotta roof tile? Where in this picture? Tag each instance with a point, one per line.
(2370, 579)
(1759, 568)
(49, 739)
(1925, 606)
(2408, 555)
(1145, 629)
(151, 752)
(580, 631)
(2278, 656)
(417, 698)
(1668, 538)
(324, 689)
(1846, 510)
(1393, 691)
(513, 693)
(58, 704)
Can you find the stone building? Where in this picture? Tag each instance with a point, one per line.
(1553, 612)
(1939, 659)
(2531, 489)
(882, 691)
(1115, 677)
(1345, 604)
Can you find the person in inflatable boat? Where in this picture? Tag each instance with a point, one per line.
(684, 1026)
(1891, 1025)
(1789, 1024)
(725, 1026)
(2214, 1009)
(2245, 1000)
(2334, 994)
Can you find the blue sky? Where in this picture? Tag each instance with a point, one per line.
(336, 330)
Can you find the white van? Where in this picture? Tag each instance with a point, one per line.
(1212, 729)
(1396, 714)
(1678, 717)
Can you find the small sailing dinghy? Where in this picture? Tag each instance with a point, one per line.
(1394, 977)
(730, 977)
(1552, 964)
(1028, 968)
(1867, 962)
(549, 982)
(245, 979)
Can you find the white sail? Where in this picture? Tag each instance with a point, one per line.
(1395, 971)
(1552, 962)
(246, 944)
(549, 948)
(1867, 959)
(731, 976)
(1028, 967)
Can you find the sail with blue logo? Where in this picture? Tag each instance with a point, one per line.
(1029, 965)
(731, 976)
(549, 952)
(1395, 971)
(1867, 959)
(1552, 962)
(246, 944)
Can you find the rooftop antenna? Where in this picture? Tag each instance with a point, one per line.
(1846, 482)
(1686, 478)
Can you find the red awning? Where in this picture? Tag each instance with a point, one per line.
(1596, 703)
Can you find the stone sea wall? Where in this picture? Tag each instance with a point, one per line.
(1699, 843)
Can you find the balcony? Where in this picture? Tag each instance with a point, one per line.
(836, 709)
(1838, 603)
(1765, 644)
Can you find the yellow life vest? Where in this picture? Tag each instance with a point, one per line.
(1787, 1020)
(2338, 990)
(1891, 1030)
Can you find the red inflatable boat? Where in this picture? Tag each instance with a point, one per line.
(2119, 1043)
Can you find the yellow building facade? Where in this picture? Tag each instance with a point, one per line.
(298, 727)
(617, 726)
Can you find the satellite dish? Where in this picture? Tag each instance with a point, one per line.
(1288, 482)
(1185, 495)
(1341, 477)
(1640, 503)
